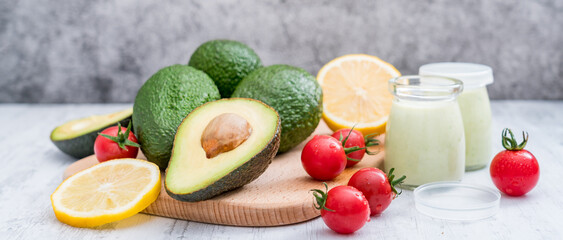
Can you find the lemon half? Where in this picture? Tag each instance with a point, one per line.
(355, 92)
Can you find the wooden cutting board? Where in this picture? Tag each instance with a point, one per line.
(280, 196)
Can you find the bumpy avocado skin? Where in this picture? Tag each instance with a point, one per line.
(83, 145)
(227, 62)
(163, 102)
(293, 93)
(241, 176)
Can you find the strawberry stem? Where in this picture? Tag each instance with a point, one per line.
(320, 197)
(122, 139)
(509, 143)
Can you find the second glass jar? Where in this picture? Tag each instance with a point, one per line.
(474, 105)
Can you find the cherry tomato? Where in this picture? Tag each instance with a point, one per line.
(344, 209)
(323, 157)
(514, 171)
(354, 139)
(378, 189)
(355, 145)
(116, 142)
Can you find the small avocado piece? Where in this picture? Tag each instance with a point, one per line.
(293, 92)
(227, 62)
(76, 138)
(192, 176)
(161, 104)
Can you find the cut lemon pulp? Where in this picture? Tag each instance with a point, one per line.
(355, 93)
(106, 192)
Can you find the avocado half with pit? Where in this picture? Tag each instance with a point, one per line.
(76, 138)
(220, 146)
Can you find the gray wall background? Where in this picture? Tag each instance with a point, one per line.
(103, 51)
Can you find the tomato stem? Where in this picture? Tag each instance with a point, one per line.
(369, 141)
(393, 182)
(122, 139)
(320, 197)
(509, 142)
(352, 159)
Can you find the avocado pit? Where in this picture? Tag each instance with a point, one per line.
(224, 133)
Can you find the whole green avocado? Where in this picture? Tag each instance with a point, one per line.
(293, 93)
(227, 62)
(163, 102)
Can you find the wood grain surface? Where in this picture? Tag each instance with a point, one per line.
(280, 196)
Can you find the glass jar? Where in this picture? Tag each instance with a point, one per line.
(474, 105)
(424, 137)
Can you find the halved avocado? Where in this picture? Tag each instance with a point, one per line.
(192, 176)
(76, 138)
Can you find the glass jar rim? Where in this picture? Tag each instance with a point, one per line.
(425, 87)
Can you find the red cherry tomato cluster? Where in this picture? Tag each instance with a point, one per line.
(346, 209)
(116, 142)
(325, 157)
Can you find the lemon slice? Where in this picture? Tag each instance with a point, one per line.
(106, 192)
(355, 92)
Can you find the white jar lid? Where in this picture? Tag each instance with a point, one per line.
(472, 75)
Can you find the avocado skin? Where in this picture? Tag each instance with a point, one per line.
(239, 177)
(293, 93)
(83, 145)
(227, 62)
(163, 102)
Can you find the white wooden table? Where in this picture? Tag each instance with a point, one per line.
(31, 168)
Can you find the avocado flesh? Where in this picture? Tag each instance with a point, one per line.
(191, 176)
(293, 92)
(76, 138)
(162, 102)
